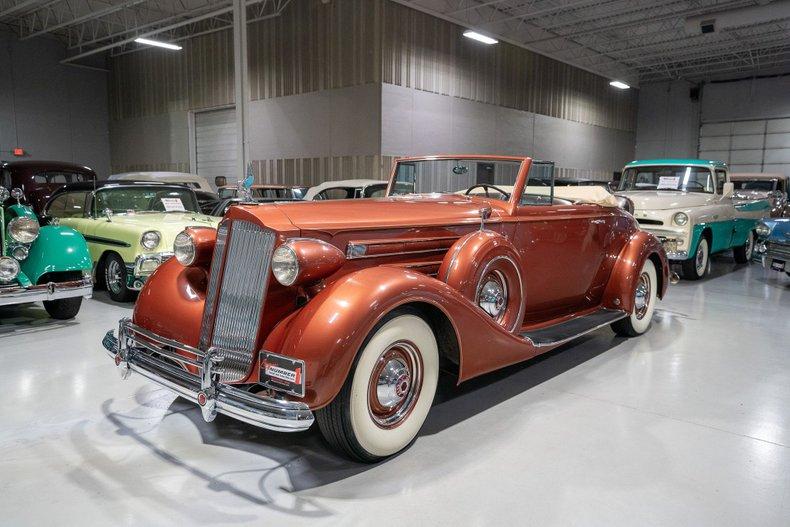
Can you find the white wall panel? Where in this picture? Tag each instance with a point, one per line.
(778, 125)
(777, 140)
(216, 147)
(778, 156)
(746, 156)
(747, 141)
(714, 143)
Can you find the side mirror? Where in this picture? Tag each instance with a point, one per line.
(108, 214)
(729, 189)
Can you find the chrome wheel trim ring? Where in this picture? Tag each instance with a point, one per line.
(395, 384)
(642, 297)
(113, 276)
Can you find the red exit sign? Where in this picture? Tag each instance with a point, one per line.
(19, 152)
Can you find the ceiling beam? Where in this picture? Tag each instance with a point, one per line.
(84, 18)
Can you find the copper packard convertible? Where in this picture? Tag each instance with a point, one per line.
(343, 312)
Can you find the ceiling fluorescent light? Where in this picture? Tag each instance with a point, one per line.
(157, 43)
(619, 84)
(474, 35)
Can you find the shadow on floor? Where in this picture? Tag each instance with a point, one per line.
(311, 463)
(22, 319)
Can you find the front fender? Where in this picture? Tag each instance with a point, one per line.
(620, 290)
(57, 249)
(328, 332)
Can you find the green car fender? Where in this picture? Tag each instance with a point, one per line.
(726, 234)
(19, 211)
(57, 249)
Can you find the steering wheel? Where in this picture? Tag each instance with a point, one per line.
(485, 187)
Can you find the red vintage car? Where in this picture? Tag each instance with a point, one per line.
(344, 311)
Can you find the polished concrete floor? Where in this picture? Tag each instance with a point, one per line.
(688, 425)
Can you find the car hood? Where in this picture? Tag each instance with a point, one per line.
(398, 211)
(666, 200)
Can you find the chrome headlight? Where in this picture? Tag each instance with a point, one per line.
(150, 240)
(762, 230)
(24, 229)
(9, 268)
(4, 195)
(681, 218)
(184, 249)
(285, 265)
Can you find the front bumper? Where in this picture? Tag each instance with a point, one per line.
(152, 356)
(771, 251)
(45, 292)
(143, 267)
(675, 241)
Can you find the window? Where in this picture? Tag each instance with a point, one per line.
(539, 189)
(668, 178)
(337, 193)
(721, 179)
(69, 205)
(60, 178)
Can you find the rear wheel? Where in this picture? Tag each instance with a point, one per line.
(697, 267)
(388, 392)
(644, 304)
(743, 254)
(63, 309)
(115, 278)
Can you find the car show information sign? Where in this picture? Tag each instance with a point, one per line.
(173, 205)
(668, 182)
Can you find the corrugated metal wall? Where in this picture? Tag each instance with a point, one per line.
(315, 170)
(423, 52)
(314, 46)
(152, 82)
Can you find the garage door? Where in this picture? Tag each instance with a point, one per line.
(215, 144)
(748, 146)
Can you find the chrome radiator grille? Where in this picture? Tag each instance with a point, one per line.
(238, 279)
(778, 250)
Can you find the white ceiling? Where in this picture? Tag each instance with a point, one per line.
(639, 41)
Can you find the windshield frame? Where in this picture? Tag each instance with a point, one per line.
(711, 172)
(180, 188)
(518, 186)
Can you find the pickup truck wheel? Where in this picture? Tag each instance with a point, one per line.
(644, 303)
(63, 309)
(697, 267)
(388, 393)
(115, 278)
(743, 254)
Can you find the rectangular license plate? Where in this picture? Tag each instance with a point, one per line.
(777, 265)
(283, 374)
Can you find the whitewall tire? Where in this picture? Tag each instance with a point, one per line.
(388, 393)
(644, 303)
(697, 266)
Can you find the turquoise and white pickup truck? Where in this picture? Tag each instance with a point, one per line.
(688, 204)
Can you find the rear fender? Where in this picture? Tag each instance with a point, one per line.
(330, 329)
(620, 290)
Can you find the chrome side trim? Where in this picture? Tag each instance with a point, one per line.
(46, 292)
(597, 320)
(212, 396)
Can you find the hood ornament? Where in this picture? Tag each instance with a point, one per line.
(245, 185)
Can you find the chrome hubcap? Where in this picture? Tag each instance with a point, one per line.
(395, 384)
(114, 276)
(492, 297)
(642, 298)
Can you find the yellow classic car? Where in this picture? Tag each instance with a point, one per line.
(129, 226)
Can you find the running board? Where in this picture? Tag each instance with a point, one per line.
(575, 327)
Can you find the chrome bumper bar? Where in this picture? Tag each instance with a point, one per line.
(137, 349)
(44, 292)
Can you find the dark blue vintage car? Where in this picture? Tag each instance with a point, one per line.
(774, 244)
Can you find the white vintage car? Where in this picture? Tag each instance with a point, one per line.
(688, 204)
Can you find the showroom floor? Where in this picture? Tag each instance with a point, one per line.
(688, 425)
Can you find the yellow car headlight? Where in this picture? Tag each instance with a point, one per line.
(681, 218)
(24, 229)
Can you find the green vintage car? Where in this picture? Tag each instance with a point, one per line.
(49, 264)
(130, 227)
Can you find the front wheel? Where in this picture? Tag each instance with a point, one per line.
(388, 392)
(115, 278)
(743, 254)
(697, 267)
(63, 309)
(644, 303)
